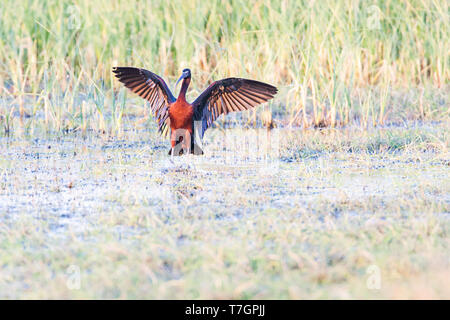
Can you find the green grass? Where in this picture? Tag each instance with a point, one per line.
(334, 61)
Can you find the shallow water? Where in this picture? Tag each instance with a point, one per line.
(105, 204)
(62, 180)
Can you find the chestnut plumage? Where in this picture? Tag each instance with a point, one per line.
(221, 97)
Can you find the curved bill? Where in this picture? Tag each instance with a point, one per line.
(182, 77)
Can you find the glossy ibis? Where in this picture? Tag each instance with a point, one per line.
(183, 118)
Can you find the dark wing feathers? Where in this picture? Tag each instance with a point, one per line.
(150, 87)
(228, 95)
(221, 97)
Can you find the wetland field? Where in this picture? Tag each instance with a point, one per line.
(347, 196)
(99, 217)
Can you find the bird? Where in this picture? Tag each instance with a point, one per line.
(186, 121)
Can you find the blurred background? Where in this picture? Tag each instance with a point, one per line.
(334, 61)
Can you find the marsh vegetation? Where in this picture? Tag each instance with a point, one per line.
(359, 187)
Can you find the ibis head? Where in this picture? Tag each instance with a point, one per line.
(186, 74)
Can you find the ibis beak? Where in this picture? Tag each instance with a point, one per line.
(182, 77)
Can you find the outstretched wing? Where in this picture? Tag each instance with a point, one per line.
(228, 95)
(150, 87)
